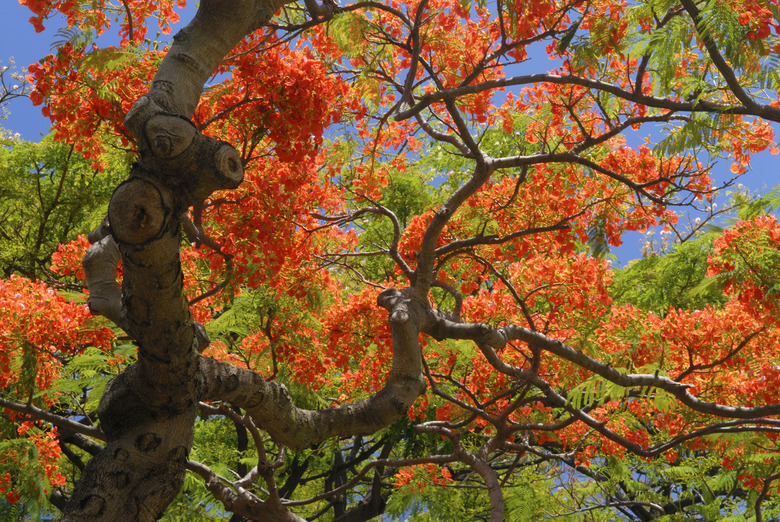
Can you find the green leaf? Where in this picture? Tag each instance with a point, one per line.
(567, 37)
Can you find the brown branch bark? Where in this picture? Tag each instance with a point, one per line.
(496, 338)
(148, 412)
(764, 111)
(271, 406)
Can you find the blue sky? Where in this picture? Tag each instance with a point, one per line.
(19, 40)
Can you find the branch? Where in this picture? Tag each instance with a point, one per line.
(764, 494)
(725, 71)
(679, 390)
(271, 407)
(240, 501)
(571, 157)
(764, 111)
(461, 244)
(100, 264)
(57, 420)
(496, 338)
(427, 253)
(381, 210)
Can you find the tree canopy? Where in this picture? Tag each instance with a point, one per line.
(331, 261)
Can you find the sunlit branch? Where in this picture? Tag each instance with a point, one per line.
(514, 427)
(100, 264)
(239, 500)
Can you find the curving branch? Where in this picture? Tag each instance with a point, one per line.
(100, 264)
(426, 256)
(491, 339)
(379, 209)
(271, 407)
(479, 240)
(720, 63)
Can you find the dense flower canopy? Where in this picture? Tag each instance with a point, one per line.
(483, 158)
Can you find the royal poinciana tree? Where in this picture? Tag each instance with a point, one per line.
(356, 262)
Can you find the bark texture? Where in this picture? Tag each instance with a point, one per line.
(148, 412)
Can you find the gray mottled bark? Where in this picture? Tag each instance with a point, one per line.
(148, 412)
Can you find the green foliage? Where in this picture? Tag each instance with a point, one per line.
(528, 498)
(751, 208)
(348, 32)
(659, 282)
(595, 391)
(49, 195)
(87, 374)
(436, 503)
(232, 324)
(29, 479)
(215, 445)
(76, 36)
(695, 133)
(406, 196)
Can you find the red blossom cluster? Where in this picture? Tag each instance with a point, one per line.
(420, 476)
(35, 319)
(756, 16)
(72, 86)
(39, 453)
(95, 15)
(740, 257)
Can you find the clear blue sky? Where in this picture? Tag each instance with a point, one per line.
(19, 40)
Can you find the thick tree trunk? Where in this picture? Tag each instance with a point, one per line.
(148, 412)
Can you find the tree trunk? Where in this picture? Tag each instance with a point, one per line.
(148, 412)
